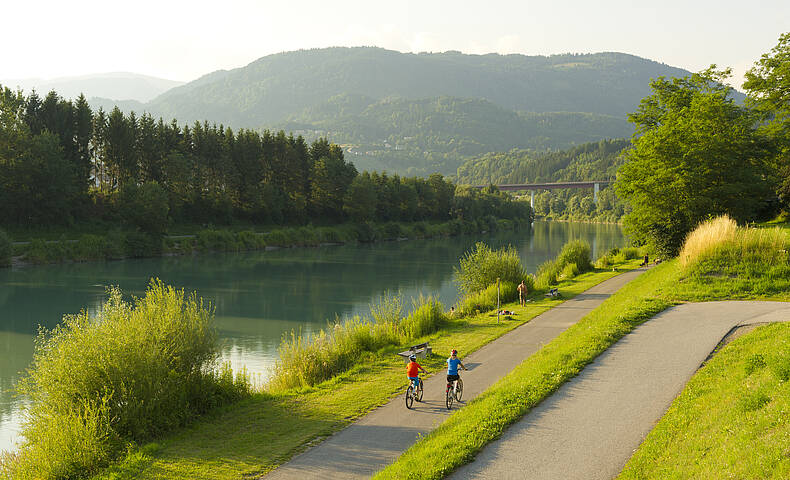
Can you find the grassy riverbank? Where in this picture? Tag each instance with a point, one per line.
(254, 436)
(41, 247)
(730, 263)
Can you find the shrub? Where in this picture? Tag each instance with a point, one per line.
(217, 241)
(388, 309)
(569, 271)
(145, 207)
(141, 244)
(115, 244)
(5, 249)
(248, 240)
(481, 267)
(135, 371)
(90, 247)
(486, 300)
(578, 252)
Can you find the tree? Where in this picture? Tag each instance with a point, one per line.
(696, 154)
(768, 85)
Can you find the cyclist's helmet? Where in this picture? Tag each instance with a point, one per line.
(454, 352)
(413, 358)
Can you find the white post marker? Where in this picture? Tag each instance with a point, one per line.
(497, 299)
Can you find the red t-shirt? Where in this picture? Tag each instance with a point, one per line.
(412, 369)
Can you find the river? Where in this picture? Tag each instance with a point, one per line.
(259, 296)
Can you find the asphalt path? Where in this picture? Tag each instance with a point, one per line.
(591, 426)
(375, 440)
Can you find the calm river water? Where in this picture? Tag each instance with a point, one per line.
(258, 296)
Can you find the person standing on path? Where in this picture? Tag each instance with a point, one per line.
(522, 293)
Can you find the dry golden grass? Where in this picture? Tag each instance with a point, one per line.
(706, 237)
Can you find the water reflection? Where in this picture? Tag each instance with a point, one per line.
(259, 296)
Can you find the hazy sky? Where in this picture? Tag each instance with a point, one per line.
(182, 40)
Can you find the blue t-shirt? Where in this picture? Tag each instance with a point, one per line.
(452, 366)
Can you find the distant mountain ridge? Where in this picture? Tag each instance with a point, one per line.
(274, 87)
(115, 86)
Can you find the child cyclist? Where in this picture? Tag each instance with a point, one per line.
(452, 368)
(412, 370)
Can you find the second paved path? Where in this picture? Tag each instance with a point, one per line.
(590, 427)
(374, 441)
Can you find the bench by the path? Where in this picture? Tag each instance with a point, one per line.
(591, 426)
(374, 441)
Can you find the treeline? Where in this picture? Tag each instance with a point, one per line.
(61, 163)
(591, 161)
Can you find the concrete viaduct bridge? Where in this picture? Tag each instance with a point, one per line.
(532, 187)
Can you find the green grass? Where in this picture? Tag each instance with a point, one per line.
(258, 434)
(731, 419)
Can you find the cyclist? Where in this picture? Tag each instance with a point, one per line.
(452, 368)
(412, 370)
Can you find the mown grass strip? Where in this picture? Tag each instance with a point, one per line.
(731, 419)
(467, 431)
(256, 435)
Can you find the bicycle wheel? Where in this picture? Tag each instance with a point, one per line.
(409, 396)
(449, 400)
(459, 390)
(419, 391)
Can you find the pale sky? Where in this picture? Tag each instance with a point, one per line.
(182, 40)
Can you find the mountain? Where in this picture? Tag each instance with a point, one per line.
(108, 87)
(272, 88)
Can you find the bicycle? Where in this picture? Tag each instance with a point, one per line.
(454, 392)
(413, 393)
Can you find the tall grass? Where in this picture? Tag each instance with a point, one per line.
(706, 237)
(482, 266)
(307, 360)
(134, 371)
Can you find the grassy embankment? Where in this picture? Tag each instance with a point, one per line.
(719, 262)
(91, 244)
(255, 435)
(731, 419)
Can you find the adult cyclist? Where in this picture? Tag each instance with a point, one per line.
(452, 368)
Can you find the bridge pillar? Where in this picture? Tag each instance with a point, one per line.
(596, 187)
(532, 199)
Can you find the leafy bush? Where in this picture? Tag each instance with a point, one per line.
(5, 249)
(135, 371)
(578, 252)
(481, 267)
(569, 271)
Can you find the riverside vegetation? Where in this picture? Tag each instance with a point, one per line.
(357, 372)
(135, 371)
(719, 261)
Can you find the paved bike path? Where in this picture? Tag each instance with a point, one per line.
(591, 426)
(375, 440)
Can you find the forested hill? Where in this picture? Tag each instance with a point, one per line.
(275, 87)
(592, 161)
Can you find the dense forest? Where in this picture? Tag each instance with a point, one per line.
(591, 161)
(61, 162)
